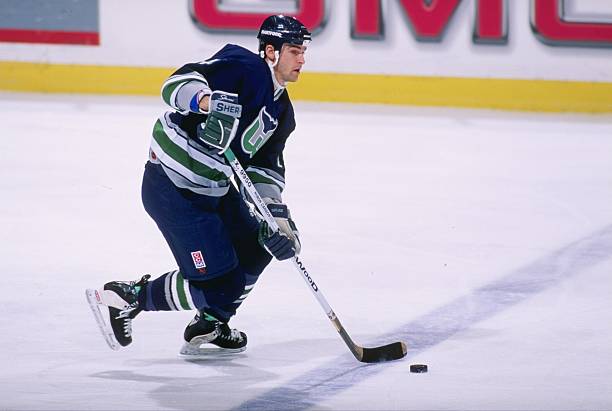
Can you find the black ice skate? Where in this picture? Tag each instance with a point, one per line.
(121, 299)
(207, 337)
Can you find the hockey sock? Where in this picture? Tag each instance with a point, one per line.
(250, 283)
(170, 292)
(220, 296)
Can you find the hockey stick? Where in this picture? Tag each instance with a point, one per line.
(393, 351)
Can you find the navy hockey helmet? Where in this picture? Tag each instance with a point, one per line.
(279, 29)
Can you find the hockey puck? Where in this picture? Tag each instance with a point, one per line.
(418, 368)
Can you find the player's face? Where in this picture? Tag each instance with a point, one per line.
(290, 63)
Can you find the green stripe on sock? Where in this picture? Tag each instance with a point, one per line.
(180, 291)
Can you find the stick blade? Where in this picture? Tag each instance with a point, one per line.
(389, 352)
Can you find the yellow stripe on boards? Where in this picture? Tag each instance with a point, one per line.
(506, 94)
(68, 78)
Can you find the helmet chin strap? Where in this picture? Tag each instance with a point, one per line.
(262, 54)
(276, 58)
(277, 84)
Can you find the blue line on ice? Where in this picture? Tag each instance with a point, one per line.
(339, 374)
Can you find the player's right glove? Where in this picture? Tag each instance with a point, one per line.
(220, 127)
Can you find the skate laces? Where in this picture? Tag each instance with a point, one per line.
(134, 288)
(234, 334)
(127, 327)
(125, 313)
(126, 322)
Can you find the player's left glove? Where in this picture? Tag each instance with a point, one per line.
(220, 127)
(285, 243)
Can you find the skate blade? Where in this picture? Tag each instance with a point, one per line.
(105, 329)
(196, 352)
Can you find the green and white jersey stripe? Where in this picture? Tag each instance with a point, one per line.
(267, 182)
(188, 164)
(178, 295)
(172, 86)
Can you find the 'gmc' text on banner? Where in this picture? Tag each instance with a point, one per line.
(428, 20)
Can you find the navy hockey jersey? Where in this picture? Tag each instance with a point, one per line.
(267, 121)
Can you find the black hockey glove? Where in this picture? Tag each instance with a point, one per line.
(220, 127)
(284, 243)
(276, 243)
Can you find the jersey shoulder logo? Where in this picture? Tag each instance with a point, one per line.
(258, 132)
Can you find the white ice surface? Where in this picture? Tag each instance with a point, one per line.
(483, 239)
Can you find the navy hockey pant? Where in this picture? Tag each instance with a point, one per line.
(214, 242)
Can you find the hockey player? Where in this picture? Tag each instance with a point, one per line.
(220, 247)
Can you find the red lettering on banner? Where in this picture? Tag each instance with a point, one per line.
(550, 27)
(367, 20)
(491, 23)
(210, 18)
(429, 19)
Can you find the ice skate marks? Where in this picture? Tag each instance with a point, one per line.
(93, 298)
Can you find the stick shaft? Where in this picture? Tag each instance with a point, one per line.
(298, 264)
